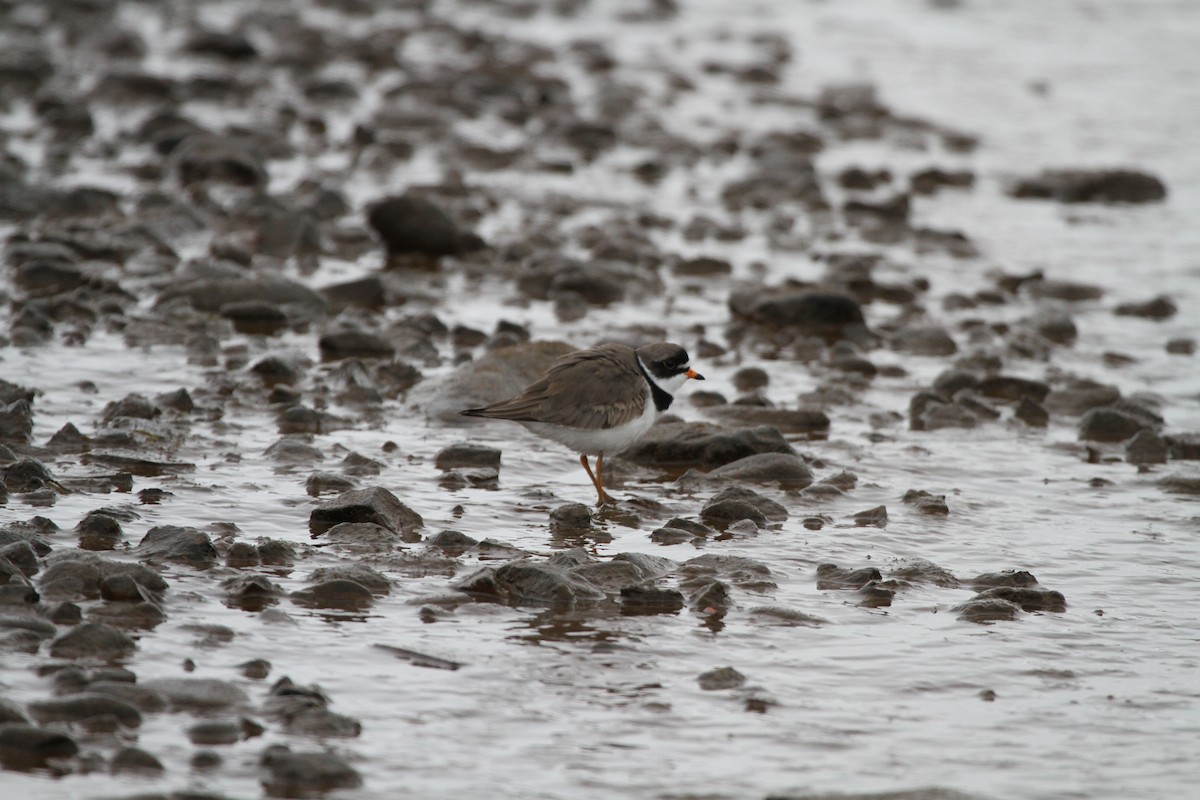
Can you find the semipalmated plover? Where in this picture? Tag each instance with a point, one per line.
(599, 400)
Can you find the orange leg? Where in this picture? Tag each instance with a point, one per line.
(597, 478)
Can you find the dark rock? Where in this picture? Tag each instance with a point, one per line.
(1146, 447)
(1080, 396)
(93, 641)
(745, 573)
(366, 537)
(827, 316)
(370, 293)
(721, 678)
(1180, 484)
(198, 694)
(918, 570)
(681, 530)
(702, 445)
(877, 594)
(205, 158)
(638, 600)
(214, 732)
(211, 295)
(453, 543)
(467, 456)
(291, 774)
(16, 422)
(1028, 598)
(376, 505)
(1181, 347)
(98, 531)
(412, 225)
(876, 516)
(1067, 291)
(831, 576)
(1091, 186)
(813, 422)
(1159, 308)
(1184, 446)
(251, 592)
(26, 475)
(984, 610)
(22, 556)
(571, 517)
(720, 514)
(1032, 413)
(1011, 389)
(294, 450)
(924, 340)
(527, 582)
(711, 597)
(374, 580)
(338, 594)
(25, 747)
(926, 503)
(1012, 578)
(135, 760)
(1109, 425)
(255, 318)
(787, 470)
(353, 344)
(276, 370)
(174, 543)
(85, 706)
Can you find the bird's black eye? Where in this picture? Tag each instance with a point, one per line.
(669, 363)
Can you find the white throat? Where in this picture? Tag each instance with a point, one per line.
(669, 385)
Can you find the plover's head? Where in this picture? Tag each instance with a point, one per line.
(667, 365)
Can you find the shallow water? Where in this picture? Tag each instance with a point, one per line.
(1102, 701)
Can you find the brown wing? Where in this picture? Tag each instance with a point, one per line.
(592, 389)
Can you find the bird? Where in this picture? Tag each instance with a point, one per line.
(598, 400)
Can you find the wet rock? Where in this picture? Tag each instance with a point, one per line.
(251, 592)
(787, 420)
(135, 760)
(276, 370)
(16, 422)
(926, 503)
(648, 600)
(145, 700)
(721, 678)
(985, 610)
(452, 543)
(198, 694)
(412, 225)
(1032, 413)
(371, 578)
(827, 316)
(1011, 389)
(211, 295)
(1181, 347)
(174, 543)
(1146, 447)
(720, 514)
(215, 732)
(375, 505)
(353, 344)
(98, 531)
(918, 570)
(467, 456)
(1159, 308)
(27, 475)
(745, 573)
(571, 517)
(877, 594)
(770, 509)
(924, 340)
(1027, 598)
(83, 707)
(345, 595)
(366, 537)
(254, 317)
(679, 530)
(711, 597)
(702, 445)
(1180, 484)
(787, 470)
(1011, 578)
(22, 556)
(1091, 186)
(1184, 446)
(207, 158)
(94, 642)
(831, 576)
(1080, 396)
(781, 616)
(228, 46)
(27, 747)
(293, 450)
(876, 517)
(1066, 291)
(1109, 425)
(528, 582)
(288, 774)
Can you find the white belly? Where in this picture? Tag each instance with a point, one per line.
(595, 442)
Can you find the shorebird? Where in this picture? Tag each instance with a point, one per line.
(599, 400)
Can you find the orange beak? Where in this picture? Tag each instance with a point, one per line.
(696, 376)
